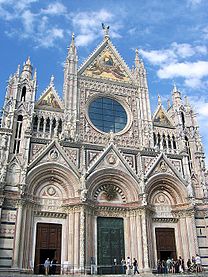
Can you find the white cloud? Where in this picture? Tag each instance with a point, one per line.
(28, 19)
(193, 2)
(56, 8)
(158, 56)
(88, 25)
(197, 69)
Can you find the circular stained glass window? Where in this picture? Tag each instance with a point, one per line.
(107, 115)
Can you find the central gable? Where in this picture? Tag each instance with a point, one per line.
(106, 63)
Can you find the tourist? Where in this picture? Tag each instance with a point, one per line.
(198, 263)
(123, 266)
(128, 266)
(46, 266)
(188, 265)
(135, 266)
(53, 266)
(169, 265)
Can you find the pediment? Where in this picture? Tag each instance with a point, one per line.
(163, 166)
(106, 63)
(49, 99)
(54, 153)
(161, 118)
(112, 158)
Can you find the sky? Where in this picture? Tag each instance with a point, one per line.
(171, 36)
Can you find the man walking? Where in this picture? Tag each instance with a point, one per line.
(135, 266)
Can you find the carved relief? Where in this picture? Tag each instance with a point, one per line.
(73, 155)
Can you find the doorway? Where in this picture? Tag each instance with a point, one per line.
(165, 241)
(110, 244)
(48, 245)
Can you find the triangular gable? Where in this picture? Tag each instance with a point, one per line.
(163, 166)
(110, 158)
(15, 160)
(106, 63)
(53, 152)
(22, 108)
(161, 118)
(49, 99)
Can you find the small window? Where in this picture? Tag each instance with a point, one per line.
(23, 95)
(18, 132)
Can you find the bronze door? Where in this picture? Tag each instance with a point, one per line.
(48, 245)
(110, 244)
(165, 240)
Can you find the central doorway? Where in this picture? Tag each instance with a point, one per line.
(48, 245)
(165, 240)
(110, 244)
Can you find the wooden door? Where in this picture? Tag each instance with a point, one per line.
(110, 244)
(48, 245)
(165, 240)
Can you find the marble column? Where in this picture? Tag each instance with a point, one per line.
(82, 239)
(145, 243)
(17, 241)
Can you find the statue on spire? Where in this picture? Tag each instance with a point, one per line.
(105, 30)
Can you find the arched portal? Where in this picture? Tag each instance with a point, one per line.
(171, 232)
(51, 188)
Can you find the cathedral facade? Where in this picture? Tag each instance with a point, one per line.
(95, 177)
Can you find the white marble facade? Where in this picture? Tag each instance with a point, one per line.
(57, 167)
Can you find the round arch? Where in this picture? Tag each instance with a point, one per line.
(172, 188)
(62, 177)
(128, 188)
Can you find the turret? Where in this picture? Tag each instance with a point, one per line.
(176, 96)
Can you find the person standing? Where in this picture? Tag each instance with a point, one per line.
(46, 266)
(123, 266)
(128, 266)
(198, 263)
(135, 266)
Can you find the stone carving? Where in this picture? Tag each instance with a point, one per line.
(51, 191)
(111, 159)
(54, 154)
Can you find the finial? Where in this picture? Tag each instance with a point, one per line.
(52, 80)
(159, 100)
(106, 31)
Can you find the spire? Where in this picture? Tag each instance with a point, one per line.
(174, 87)
(35, 75)
(176, 95)
(72, 47)
(137, 58)
(18, 70)
(106, 31)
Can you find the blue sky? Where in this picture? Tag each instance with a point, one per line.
(171, 37)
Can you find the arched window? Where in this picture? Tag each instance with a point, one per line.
(59, 126)
(47, 129)
(189, 152)
(183, 119)
(164, 142)
(41, 124)
(169, 142)
(35, 123)
(23, 95)
(53, 125)
(174, 142)
(158, 140)
(155, 139)
(18, 132)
